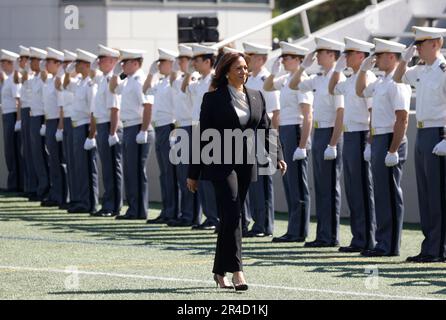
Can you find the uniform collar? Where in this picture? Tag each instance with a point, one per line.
(262, 72)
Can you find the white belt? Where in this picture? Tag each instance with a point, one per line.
(36, 114)
(383, 130)
(161, 123)
(322, 124)
(184, 123)
(130, 123)
(195, 123)
(352, 127)
(80, 122)
(102, 120)
(431, 124)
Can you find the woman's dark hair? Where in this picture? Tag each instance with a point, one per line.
(222, 68)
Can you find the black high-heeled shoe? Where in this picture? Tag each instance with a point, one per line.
(239, 287)
(221, 285)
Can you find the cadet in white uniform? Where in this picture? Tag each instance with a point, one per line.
(52, 102)
(37, 123)
(261, 192)
(157, 85)
(84, 130)
(429, 79)
(138, 138)
(327, 140)
(65, 134)
(294, 132)
(109, 133)
(390, 113)
(23, 75)
(183, 116)
(357, 173)
(202, 61)
(10, 97)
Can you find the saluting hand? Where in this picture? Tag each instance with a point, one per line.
(308, 60)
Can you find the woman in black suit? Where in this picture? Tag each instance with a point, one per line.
(232, 106)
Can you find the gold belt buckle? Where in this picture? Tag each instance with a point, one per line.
(316, 124)
(74, 124)
(420, 124)
(373, 131)
(345, 128)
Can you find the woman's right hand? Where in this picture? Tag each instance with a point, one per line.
(192, 185)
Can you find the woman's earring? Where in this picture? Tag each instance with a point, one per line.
(227, 77)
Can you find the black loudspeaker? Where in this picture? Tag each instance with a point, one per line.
(197, 28)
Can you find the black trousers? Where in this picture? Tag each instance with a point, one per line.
(230, 195)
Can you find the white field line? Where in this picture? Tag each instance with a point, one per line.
(168, 279)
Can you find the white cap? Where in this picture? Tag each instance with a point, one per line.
(104, 51)
(165, 54)
(328, 44)
(352, 44)
(37, 53)
(128, 54)
(200, 50)
(426, 33)
(185, 51)
(54, 54)
(288, 48)
(252, 48)
(9, 55)
(231, 50)
(382, 45)
(24, 51)
(85, 56)
(69, 55)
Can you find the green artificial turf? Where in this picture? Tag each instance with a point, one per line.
(133, 260)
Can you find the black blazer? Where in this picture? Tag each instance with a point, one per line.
(218, 112)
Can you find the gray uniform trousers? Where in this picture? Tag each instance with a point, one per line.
(431, 185)
(86, 170)
(388, 194)
(261, 204)
(167, 178)
(12, 152)
(57, 167)
(189, 201)
(327, 175)
(295, 182)
(359, 190)
(135, 178)
(39, 156)
(111, 162)
(69, 158)
(29, 174)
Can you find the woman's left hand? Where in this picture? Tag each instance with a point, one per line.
(282, 167)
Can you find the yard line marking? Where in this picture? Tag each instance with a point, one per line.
(146, 277)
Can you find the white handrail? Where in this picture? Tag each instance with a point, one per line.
(271, 22)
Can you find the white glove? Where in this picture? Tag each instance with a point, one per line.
(95, 65)
(368, 63)
(277, 66)
(112, 140)
(59, 135)
(71, 68)
(117, 70)
(190, 68)
(90, 144)
(141, 138)
(18, 126)
(392, 159)
(28, 67)
(60, 72)
(440, 148)
(330, 153)
(308, 60)
(299, 154)
(42, 65)
(176, 66)
(172, 141)
(341, 64)
(154, 68)
(367, 152)
(17, 65)
(43, 130)
(408, 53)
